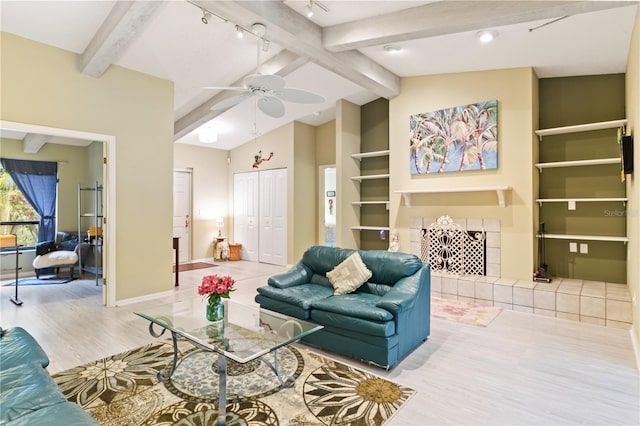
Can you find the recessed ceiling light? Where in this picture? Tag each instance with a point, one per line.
(391, 48)
(207, 135)
(487, 36)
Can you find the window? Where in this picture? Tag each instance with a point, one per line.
(15, 208)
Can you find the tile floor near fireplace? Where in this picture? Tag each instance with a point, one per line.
(596, 302)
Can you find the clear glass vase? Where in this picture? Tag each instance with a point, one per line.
(215, 309)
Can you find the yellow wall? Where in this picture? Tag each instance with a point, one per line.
(42, 85)
(633, 183)
(209, 186)
(514, 89)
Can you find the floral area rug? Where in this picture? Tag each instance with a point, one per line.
(463, 311)
(124, 390)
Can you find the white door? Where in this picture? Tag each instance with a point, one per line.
(245, 214)
(182, 212)
(273, 216)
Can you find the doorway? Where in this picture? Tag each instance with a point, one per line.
(109, 181)
(182, 212)
(327, 205)
(260, 215)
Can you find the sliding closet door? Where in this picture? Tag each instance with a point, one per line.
(245, 214)
(273, 216)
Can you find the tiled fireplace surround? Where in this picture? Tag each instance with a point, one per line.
(595, 302)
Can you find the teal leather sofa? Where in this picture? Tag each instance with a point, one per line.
(381, 322)
(28, 394)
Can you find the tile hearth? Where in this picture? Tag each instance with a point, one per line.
(595, 302)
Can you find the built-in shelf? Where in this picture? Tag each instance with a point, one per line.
(361, 178)
(370, 228)
(577, 163)
(362, 155)
(581, 128)
(499, 190)
(584, 237)
(572, 201)
(371, 203)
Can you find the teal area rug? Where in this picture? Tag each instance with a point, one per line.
(41, 281)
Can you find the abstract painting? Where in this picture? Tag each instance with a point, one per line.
(455, 139)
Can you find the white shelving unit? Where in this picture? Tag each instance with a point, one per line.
(584, 237)
(581, 128)
(578, 163)
(499, 190)
(571, 202)
(359, 157)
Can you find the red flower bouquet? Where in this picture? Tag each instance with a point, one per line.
(216, 287)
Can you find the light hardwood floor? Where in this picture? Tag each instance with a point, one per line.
(522, 369)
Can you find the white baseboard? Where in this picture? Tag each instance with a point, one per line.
(144, 298)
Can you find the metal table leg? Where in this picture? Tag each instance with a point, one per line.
(222, 389)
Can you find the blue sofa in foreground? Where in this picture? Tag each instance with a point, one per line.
(28, 394)
(378, 322)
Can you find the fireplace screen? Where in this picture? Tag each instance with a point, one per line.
(451, 249)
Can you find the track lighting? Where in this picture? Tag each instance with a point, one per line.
(205, 16)
(308, 9)
(239, 31)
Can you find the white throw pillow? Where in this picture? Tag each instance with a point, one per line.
(349, 275)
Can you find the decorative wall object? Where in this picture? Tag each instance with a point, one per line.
(257, 159)
(454, 139)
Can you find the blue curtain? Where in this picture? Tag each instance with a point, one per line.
(38, 181)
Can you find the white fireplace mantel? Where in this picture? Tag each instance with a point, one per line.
(499, 190)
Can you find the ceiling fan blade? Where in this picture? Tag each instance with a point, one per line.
(229, 102)
(271, 106)
(236, 88)
(299, 96)
(268, 81)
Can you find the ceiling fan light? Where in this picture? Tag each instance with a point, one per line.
(392, 48)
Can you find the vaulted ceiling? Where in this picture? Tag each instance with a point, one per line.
(338, 53)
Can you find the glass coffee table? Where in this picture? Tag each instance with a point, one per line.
(246, 333)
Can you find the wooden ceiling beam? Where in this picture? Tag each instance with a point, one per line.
(125, 21)
(449, 17)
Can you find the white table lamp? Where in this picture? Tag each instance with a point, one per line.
(220, 225)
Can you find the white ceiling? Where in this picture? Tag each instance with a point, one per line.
(174, 44)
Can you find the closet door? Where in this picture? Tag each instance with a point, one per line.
(273, 216)
(245, 214)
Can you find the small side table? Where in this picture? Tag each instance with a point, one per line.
(219, 253)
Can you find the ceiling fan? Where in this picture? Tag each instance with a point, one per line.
(269, 90)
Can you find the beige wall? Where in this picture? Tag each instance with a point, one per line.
(514, 89)
(304, 190)
(633, 183)
(326, 143)
(294, 148)
(347, 190)
(209, 192)
(42, 85)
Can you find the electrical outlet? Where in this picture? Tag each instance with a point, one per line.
(584, 248)
(573, 247)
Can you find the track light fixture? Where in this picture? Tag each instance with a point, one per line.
(205, 16)
(308, 8)
(239, 31)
